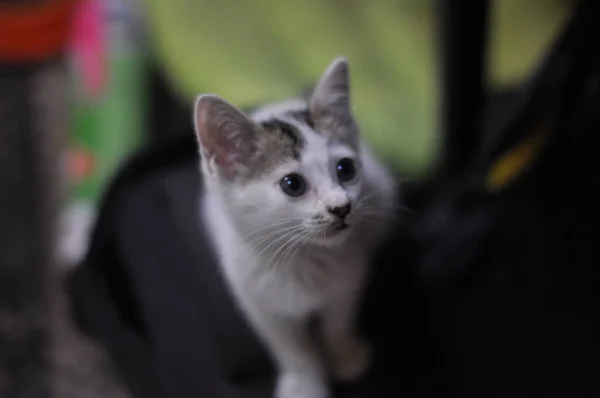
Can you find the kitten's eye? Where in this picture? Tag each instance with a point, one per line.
(345, 170)
(293, 185)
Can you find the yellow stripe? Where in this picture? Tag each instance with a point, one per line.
(512, 163)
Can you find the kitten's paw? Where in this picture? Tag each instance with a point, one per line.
(292, 385)
(353, 361)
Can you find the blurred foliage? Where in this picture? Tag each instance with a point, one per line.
(256, 51)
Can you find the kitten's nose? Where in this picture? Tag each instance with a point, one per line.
(341, 211)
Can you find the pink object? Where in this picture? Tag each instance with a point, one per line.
(88, 45)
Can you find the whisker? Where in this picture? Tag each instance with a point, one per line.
(280, 238)
(294, 248)
(369, 196)
(362, 203)
(270, 225)
(304, 241)
(274, 255)
(384, 210)
(267, 227)
(256, 243)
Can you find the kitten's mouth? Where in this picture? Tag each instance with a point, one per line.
(340, 227)
(337, 229)
(334, 234)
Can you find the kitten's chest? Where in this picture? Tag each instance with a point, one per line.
(300, 287)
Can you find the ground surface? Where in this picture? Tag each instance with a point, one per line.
(80, 368)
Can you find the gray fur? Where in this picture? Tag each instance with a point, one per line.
(289, 140)
(232, 139)
(329, 105)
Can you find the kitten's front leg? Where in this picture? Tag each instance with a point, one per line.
(348, 353)
(301, 372)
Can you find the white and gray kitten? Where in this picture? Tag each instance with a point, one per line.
(295, 203)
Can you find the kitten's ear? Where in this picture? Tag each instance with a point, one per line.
(331, 97)
(225, 135)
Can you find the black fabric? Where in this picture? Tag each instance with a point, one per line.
(169, 114)
(106, 306)
(509, 274)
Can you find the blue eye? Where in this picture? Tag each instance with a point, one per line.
(345, 170)
(293, 185)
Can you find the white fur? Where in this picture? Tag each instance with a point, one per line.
(280, 279)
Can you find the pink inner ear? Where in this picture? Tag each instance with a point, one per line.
(227, 165)
(216, 144)
(222, 131)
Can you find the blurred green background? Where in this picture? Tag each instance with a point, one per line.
(262, 50)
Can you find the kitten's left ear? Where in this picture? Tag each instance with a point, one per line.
(331, 97)
(226, 136)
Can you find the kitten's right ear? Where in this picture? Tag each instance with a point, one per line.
(331, 96)
(225, 134)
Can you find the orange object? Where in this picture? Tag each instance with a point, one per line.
(81, 165)
(34, 32)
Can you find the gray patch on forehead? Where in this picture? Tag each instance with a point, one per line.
(331, 123)
(291, 141)
(277, 143)
(337, 128)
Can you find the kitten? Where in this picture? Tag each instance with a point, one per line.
(296, 203)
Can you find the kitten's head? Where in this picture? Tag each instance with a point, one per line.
(291, 170)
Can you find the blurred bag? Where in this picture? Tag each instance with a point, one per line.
(508, 251)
